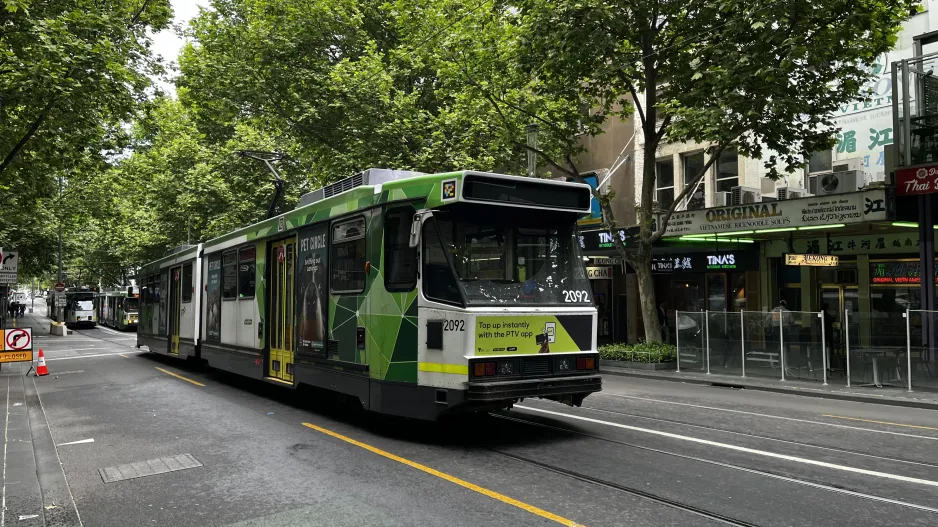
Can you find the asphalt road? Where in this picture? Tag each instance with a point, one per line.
(643, 452)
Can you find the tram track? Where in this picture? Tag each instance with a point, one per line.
(116, 341)
(762, 437)
(673, 503)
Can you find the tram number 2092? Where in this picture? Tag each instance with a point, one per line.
(454, 325)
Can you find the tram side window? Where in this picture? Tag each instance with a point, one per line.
(438, 280)
(246, 276)
(348, 256)
(151, 286)
(187, 283)
(400, 260)
(229, 271)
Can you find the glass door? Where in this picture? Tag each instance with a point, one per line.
(280, 359)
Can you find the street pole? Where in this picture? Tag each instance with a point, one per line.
(59, 314)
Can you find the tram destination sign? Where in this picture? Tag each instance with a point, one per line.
(812, 260)
(855, 207)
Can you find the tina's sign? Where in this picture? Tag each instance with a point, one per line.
(917, 180)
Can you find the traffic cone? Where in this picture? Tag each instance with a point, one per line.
(41, 369)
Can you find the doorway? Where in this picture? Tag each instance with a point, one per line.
(280, 358)
(175, 305)
(835, 301)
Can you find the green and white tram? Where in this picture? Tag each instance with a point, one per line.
(418, 294)
(118, 309)
(79, 309)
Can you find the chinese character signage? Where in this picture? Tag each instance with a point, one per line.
(873, 244)
(897, 272)
(855, 207)
(917, 180)
(706, 261)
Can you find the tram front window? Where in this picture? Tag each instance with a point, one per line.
(131, 305)
(514, 260)
(84, 305)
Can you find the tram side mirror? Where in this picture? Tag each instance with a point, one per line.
(130, 290)
(419, 218)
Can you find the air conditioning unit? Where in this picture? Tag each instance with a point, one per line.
(723, 199)
(835, 183)
(791, 193)
(845, 165)
(745, 195)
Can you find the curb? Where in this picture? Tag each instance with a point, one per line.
(905, 403)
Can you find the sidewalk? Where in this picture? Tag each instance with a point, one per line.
(34, 485)
(888, 396)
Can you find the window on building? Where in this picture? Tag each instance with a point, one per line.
(693, 164)
(400, 259)
(664, 177)
(348, 256)
(187, 283)
(820, 162)
(229, 272)
(727, 170)
(246, 275)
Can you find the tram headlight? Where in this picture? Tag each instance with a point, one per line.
(506, 367)
(563, 364)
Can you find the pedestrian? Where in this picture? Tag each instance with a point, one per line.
(22, 310)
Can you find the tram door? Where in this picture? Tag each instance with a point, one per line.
(280, 360)
(175, 307)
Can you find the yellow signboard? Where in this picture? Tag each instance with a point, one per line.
(812, 260)
(16, 356)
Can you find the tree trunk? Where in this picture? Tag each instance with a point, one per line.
(646, 297)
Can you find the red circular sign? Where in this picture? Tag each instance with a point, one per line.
(59, 287)
(18, 339)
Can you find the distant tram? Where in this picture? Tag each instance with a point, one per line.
(79, 309)
(118, 309)
(419, 295)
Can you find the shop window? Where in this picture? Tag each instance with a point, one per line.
(738, 298)
(716, 292)
(693, 164)
(348, 256)
(187, 283)
(664, 177)
(400, 260)
(727, 170)
(229, 272)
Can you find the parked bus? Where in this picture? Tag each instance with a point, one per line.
(419, 295)
(118, 309)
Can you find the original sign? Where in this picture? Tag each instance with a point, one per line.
(599, 273)
(917, 180)
(812, 260)
(9, 265)
(854, 207)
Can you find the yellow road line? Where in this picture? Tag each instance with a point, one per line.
(456, 369)
(176, 375)
(879, 422)
(452, 479)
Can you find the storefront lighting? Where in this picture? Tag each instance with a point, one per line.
(816, 227)
(707, 235)
(713, 239)
(737, 233)
(905, 224)
(783, 229)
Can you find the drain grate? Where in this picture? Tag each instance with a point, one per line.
(149, 467)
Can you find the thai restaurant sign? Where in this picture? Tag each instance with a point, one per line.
(812, 260)
(917, 180)
(855, 207)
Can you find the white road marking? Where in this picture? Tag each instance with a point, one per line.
(93, 355)
(79, 442)
(747, 450)
(58, 458)
(28, 516)
(85, 349)
(757, 414)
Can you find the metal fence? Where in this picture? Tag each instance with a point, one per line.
(862, 349)
(784, 344)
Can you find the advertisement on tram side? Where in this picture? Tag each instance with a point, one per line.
(312, 290)
(213, 299)
(532, 334)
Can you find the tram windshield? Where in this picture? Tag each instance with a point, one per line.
(84, 305)
(516, 257)
(131, 304)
